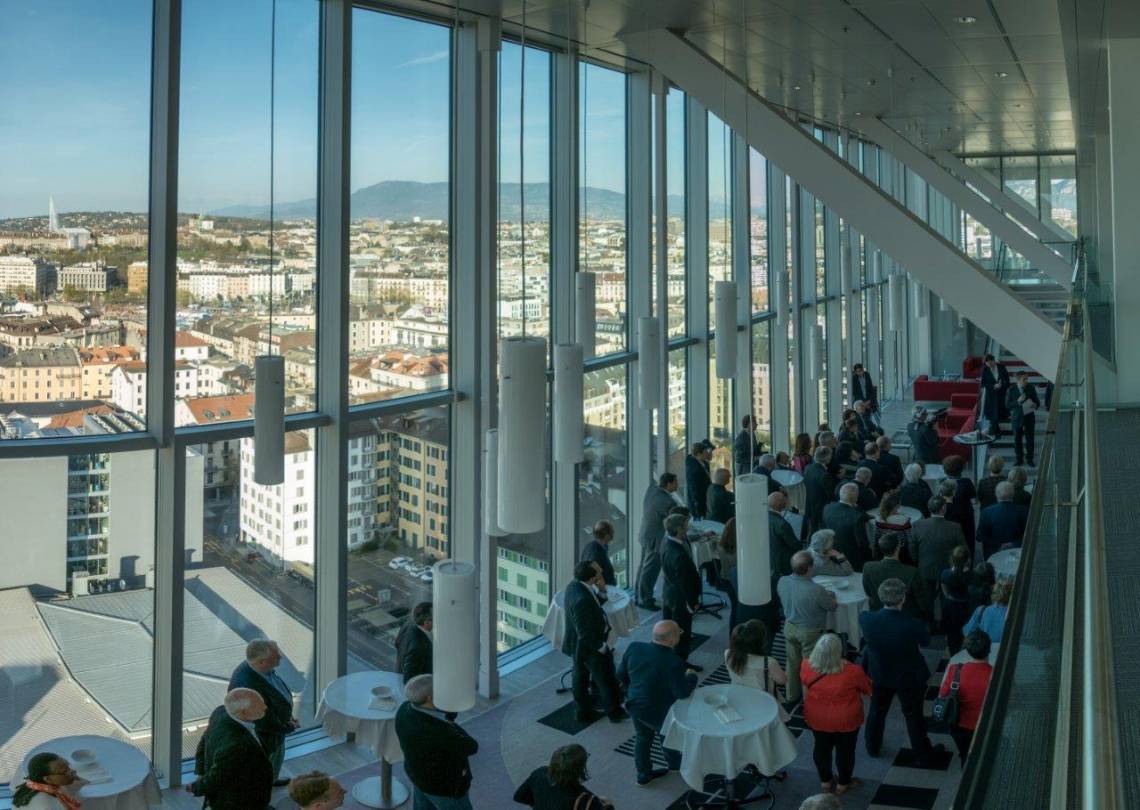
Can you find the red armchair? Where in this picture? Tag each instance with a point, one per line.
(928, 390)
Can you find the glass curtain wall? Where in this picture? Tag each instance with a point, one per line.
(603, 482)
(720, 429)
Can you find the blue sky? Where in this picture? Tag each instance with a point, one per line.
(75, 104)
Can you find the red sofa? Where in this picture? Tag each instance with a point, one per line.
(961, 417)
(928, 390)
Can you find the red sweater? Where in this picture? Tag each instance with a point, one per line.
(972, 686)
(834, 702)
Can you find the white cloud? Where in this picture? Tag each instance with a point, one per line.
(426, 59)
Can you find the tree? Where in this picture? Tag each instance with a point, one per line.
(73, 294)
(184, 298)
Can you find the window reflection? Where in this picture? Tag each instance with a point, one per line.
(603, 480)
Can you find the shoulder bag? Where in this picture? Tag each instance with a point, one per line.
(945, 709)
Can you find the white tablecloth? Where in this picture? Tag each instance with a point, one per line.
(345, 709)
(852, 601)
(619, 608)
(709, 746)
(704, 548)
(793, 484)
(912, 514)
(795, 521)
(934, 473)
(1005, 562)
(132, 785)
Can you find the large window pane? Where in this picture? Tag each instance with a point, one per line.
(601, 198)
(73, 202)
(762, 382)
(1019, 174)
(675, 178)
(758, 229)
(400, 207)
(604, 476)
(720, 430)
(1059, 191)
(678, 407)
(76, 644)
(719, 209)
(246, 189)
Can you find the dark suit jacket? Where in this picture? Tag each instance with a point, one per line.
(924, 442)
(1004, 522)
(278, 711)
(596, 552)
(586, 622)
(1011, 401)
(745, 450)
(682, 589)
(654, 677)
(819, 485)
(850, 526)
(782, 544)
(868, 430)
(931, 541)
(864, 390)
(773, 484)
(233, 769)
(435, 751)
(961, 508)
(893, 657)
(893, 465)
(876, 573)
(880, 477)
(867, 497)
(655, 508)
(986, 490)
(697, 482)
(413, 651)
(916, 496)
(721, 504)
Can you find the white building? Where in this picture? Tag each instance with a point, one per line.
(25, 273)
(87, 276)
(128, 385)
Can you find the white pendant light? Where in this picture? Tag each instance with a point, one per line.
(569, 425)
(585, 317)
(894, 301)
(921, 299)
(779, 291)
(491, 484)
(753, 566)
(942, 305)
(455, 636)
(961, 321)
(817, 349)
(649, 362)
(269, 420)
(522, 418)
(724, 296)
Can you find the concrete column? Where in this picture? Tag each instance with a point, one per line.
(1124, 122)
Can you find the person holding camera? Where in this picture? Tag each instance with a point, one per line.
(923, 437)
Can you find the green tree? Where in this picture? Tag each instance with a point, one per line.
(73, 294)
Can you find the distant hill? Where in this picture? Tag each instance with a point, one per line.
(402, 200)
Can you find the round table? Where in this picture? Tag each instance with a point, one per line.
(793, 484)
(852, 601)
(701, 542)
(1005, 562)
(345, 708)
(619, 608)
(933, 474)
(911, 514)
(709, 746)
(975, 439)
(121, 775)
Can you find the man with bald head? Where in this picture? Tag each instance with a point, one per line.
(867, 498)
(233, 769)
(848, 520)
(259, 672)
(654, 676)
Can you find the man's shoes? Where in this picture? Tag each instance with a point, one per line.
(587, 717)
(650, 605)
(280, 782)
(928, 760)
(642, 781)
(618, 716)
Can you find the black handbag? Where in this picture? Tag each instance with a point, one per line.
(945, 709)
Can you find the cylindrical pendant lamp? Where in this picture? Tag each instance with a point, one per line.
(845, 269)
(921, 299)
(894, 301)
(753, 567)
(961, 320)
(269, 419)
(779, 291)
(942, 305)
(649, 362)
(491, 484)
(724, 297)
(818, 348)
(569, 425)
(522, 422)
(585, 317)
(455, 636)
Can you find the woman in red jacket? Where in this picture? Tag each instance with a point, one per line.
(973, 681)
(833, 710)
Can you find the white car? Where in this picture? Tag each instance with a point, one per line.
(398, 562)
(426, 577)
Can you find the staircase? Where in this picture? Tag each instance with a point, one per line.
(1047, 297)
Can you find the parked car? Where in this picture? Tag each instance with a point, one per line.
(426, 577)
(398, 562)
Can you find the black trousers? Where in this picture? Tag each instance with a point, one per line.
(911, 701)
(684, 620)
(962, 739)
(600, 667)
(842, 743)
(1023, 438)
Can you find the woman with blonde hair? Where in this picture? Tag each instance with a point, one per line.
(833, 710)
(991, 618)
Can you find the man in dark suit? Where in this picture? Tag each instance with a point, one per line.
(697, 478)
(657, 504)
(931, 541)
(893, 642)
(867, 498)
(765, 466)
(721, 502)
(259, 673)
(819, 486)
(890, 461)
(987, 487)
(994, 385)
(436, 750)
(746, 448)
(232, 767)
(960, 508)
(414, 643)
(891, 567)
(654, 677)
(880, 477)
(1002, 524)
(681, 595)
(862, 388)
(866, 426)
(587, 642)
(598, 550)
(1023, 403)
(782, 544)
(923, 437)
(849, 523)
